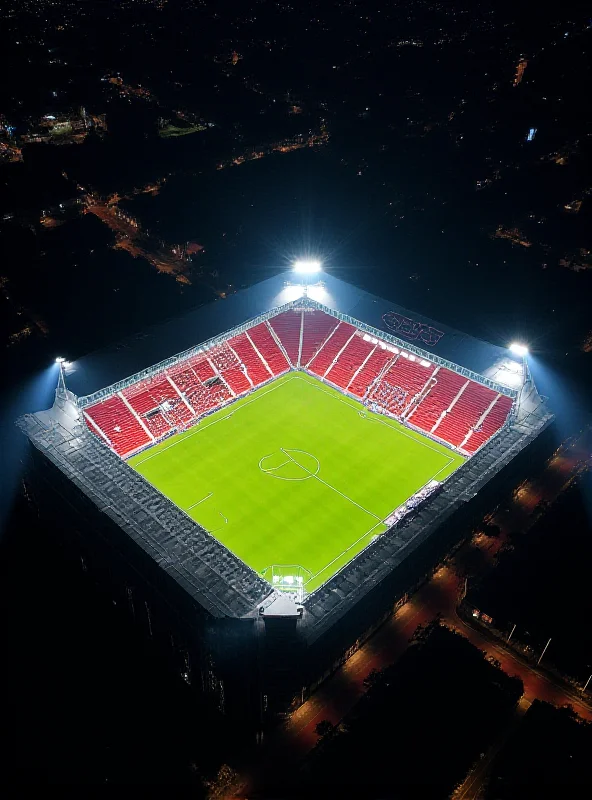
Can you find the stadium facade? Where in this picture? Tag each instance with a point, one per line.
(253, 649)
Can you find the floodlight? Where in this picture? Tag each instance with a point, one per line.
(307, 267)
(60, 360)
(519, 349)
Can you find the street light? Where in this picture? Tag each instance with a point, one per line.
(60, 360)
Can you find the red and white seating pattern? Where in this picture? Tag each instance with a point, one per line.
(287, 328)
(332, 347)
(349, 361)
(256, 369)
(439, 401)
(206, 398)
(407, 373)
(157, 424)
(369, 372)
(466, 412)
(118, 425)
(492, 422)
(442, 389)
(262, 338)
(316, 327)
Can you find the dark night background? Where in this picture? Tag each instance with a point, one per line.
(427, 158)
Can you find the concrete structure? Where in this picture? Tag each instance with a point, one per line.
(251, 650)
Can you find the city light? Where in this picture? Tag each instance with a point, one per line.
(307, 267)
(519, 349)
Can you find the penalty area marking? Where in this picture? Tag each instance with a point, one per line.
(199, 428)
(347, 549)
(367, 416)
(203, 499)
(221, 526)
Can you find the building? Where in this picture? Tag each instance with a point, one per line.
(253, 647)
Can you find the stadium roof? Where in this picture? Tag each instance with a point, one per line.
(105, 367)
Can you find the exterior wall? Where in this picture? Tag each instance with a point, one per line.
(249, 670)
(200, 649)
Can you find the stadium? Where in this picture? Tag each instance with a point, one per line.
(274, 489)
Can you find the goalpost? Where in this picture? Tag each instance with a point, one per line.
(291, 578)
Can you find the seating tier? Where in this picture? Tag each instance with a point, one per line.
(331, 348)
(222, 357)
(316, 327)
(287, 328)
(237, 380)
(263, 340)
(441, 392)
(370, 371)
(465, 413)
(349, 361)
(494, 420)
(401, 383)
(118, 424)
(256, 369)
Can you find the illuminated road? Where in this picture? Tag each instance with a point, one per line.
(286, 746)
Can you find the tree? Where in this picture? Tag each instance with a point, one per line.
(373, 678)
(324, 727)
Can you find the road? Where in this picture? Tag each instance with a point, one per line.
(288, 745)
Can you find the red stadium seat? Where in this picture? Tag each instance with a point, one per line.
(440, 393)
(316, 328)
(437, 400)
(402, 382)
(269, 349)
(287, 327)
(118, 424)
(331, 348)
(465, 413)
(349, 361)
(370, 371)
(256, 369)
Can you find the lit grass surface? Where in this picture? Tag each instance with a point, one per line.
(294, 474)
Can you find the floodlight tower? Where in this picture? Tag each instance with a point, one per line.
(306, 268)
(522, 351)
(528, 388)
(61, 388)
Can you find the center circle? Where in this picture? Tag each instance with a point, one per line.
(290, 464)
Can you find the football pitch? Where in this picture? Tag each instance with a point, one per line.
(294, 475)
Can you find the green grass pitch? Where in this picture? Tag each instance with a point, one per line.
(294, 474)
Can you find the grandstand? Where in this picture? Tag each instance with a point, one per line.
(380, 424)
(460, 412)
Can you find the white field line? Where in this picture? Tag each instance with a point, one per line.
(200, 428)
(272, 469)
(345, 497)
(320, 388)
(374, 418)
(221, 526)
(199, 502)
(347, 549)
(450, 460)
